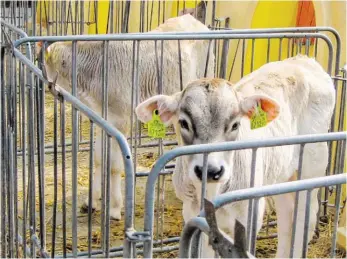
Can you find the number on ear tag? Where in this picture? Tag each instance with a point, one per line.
(156, 128)
(259, 118)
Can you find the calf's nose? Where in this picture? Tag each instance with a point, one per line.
(213, 172)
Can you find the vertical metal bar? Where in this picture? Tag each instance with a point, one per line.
(307, 223)
(55, 168)
(14, 156)
(96, 15)
(3, 155)
(142, 16)
(243, 57)
(164, 5)
(159, 81)
(133, 89)
(58, 15)
(110, 21)
(76, 18)
(63, 169)
(147, 16)
(104, 139)
(316, 48)
(74, 151)
(150, 21)
(252, 60)
(158, 13)
(180, 64)
(91, 166)
(126, 16)
(307, 46)
(203, 181)
(250, 203)
(208, 57)
(137, 123)
(108, 180)
(11, 120)
(268, 51)
(22, 84)
(41, 160)
(336, 220)
(339, 154)
(280, 50)
(254, 225)
(295, 215)
(82, 17)
(31, 157)
(213, 12)
(224, 54)
(160, 142)
(63, 18)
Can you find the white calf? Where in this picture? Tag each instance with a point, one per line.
(297, 96)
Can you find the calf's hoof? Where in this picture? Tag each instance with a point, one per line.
(115, 214)
(95, 206)
(84, 208)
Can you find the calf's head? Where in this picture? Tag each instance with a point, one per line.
(207, 111)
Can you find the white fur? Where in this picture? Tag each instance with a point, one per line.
(90, 76)
(305, 96)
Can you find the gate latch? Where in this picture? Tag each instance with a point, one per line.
(223, 245)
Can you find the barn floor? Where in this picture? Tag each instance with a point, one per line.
(172, 206)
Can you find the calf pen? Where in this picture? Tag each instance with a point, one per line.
(43, 145)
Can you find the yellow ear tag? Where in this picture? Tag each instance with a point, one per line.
(259, 118)
(156, 128)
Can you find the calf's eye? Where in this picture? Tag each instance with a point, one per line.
(235, 126)
(184, 124)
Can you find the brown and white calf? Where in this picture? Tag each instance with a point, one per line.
(298, 97)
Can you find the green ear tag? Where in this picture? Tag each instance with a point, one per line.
(259, 118)
(156, 128)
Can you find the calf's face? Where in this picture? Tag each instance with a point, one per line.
(207, 111)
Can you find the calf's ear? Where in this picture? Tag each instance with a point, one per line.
(166, 106)
(267, 104)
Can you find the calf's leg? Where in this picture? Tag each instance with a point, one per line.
(96, 182)
(116, 181)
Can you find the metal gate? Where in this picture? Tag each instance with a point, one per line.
(44, 142)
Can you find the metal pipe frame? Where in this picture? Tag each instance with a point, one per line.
(199, 223)
(109, 130)
(210, 35)
(217, 147)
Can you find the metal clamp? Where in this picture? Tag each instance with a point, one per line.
(135, 236)
(226, 247)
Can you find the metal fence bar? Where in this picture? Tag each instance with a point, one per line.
(295, 215)
(63, 169)
(129, 208)
(307, 222)
(216, 147)
(74, 150)
(281, 38)
(90, 193)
